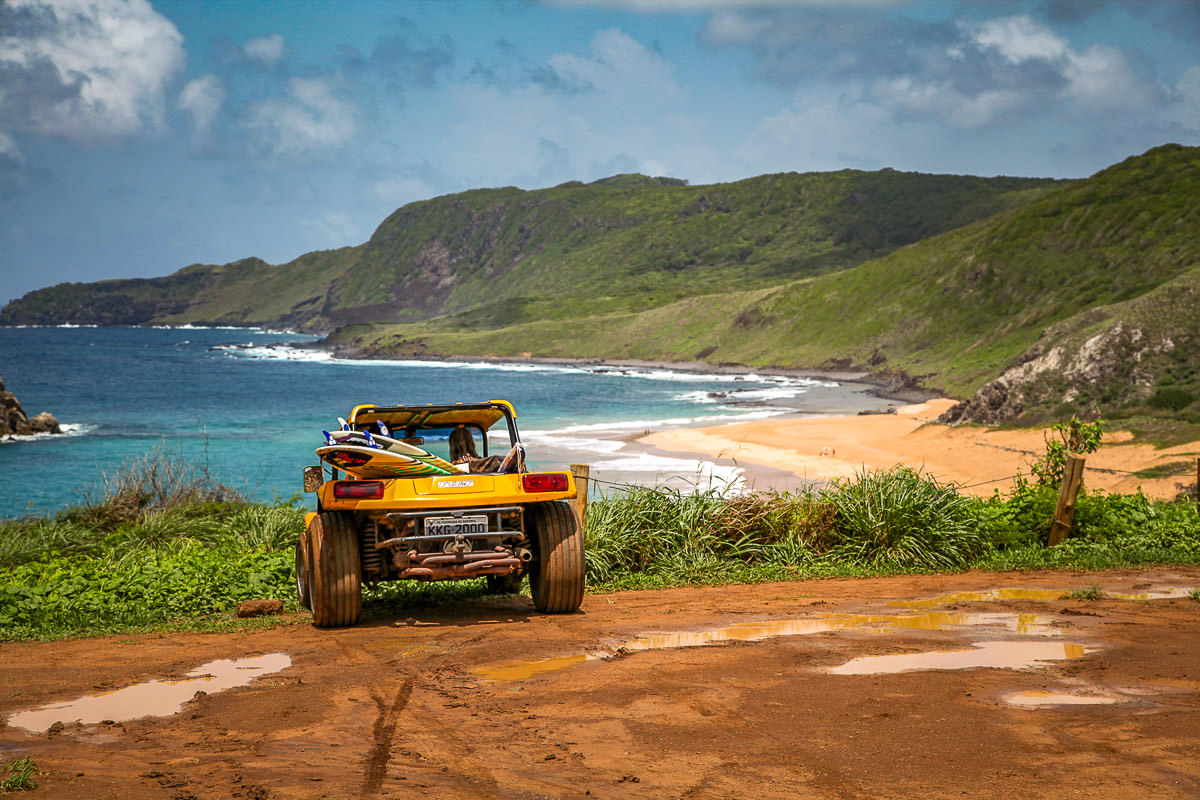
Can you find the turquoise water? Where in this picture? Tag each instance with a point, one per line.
(252, 406)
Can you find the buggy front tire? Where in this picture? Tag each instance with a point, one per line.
(335, 577)
(557, 576)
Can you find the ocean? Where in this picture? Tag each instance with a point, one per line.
(252, 404)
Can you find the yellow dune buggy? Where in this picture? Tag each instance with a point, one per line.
(433, 493)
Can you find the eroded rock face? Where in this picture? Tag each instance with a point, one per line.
(14, 420)
(1117, 366)
(991, 405)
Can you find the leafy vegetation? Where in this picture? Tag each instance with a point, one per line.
(18, 775)
(1073, 436)
(158, 541)
(178, 558)
(1091, 593)
(1085, 297)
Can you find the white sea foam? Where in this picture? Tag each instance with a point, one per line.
(273, 352)
(67, 428)
(714, 377)
(786, 386)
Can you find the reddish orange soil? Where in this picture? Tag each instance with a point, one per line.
(398, 707)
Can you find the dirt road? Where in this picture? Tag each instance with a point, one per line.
(786, 700)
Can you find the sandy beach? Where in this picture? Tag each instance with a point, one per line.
(785, 452)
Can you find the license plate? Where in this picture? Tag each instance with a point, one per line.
(453, 526)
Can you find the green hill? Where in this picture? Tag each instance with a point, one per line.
(498, 256)
(1114, 257)
(1032, 298)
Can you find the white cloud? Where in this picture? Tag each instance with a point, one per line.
(817, 134)
(1019, 39)
(310, 123)
(729, 28)
(618, 107)
(907, 96)
(970, 74)
(1186, 110)
(619, 65)
(267, 49)
(202, 98)
(9, 152)
(1101, 77)
(87, 68)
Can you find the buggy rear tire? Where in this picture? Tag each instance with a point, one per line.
(335, 577)
(557, 575)
(303, 570)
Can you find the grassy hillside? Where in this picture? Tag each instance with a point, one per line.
(500, 256)
(1033, 298)
(1116, 255)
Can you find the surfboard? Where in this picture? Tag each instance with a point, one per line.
(372, 456)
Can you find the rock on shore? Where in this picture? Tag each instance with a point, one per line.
(14, 420)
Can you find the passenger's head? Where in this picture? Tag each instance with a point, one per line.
(462, 444)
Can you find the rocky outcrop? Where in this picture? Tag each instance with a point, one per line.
(1119, 366)
(14, 420)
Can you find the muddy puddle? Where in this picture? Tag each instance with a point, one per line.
(995, 655)
(1042, 699)
(1020, 624)
(153, 698)
(1043, 595)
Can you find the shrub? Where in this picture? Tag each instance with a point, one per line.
(1091, 593)
(160, 479)
(18, 775)
(1171, 399)
(902, 519)
(1073, 436)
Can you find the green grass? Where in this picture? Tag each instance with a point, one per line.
(1171, 469)
(179, 560)
(18, 775)
(1091, 593)
(1082, 264)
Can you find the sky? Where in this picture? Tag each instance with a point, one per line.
(139, 137)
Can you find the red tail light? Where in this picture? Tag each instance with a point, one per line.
(544, 481)
(358, 490)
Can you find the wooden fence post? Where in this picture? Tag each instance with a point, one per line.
(1198, 481)
(1064, 512)
(581, 473)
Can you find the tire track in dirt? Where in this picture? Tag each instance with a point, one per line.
(384, 731)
